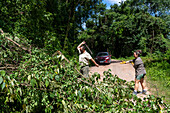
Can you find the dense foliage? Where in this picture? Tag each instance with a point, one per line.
(41, 82)
(53, 24)
(159, 67)
(47, 83)
(61, 24)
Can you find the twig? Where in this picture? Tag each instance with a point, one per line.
(85, 82)
(15, 43)
(3, 47)
(8, 68)
(28, 44)
(28, 85)
(64, 74)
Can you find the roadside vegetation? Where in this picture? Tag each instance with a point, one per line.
(158, 74)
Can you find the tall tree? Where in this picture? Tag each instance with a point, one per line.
(126, 27)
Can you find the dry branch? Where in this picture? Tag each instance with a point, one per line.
(15, 43)
(42, 89)
(1, 68)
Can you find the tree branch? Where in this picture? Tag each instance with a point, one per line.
(28, 85)
(1, 68)
(15, 43)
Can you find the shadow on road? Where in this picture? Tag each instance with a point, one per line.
(103, 64)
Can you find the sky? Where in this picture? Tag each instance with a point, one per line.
(111, 2)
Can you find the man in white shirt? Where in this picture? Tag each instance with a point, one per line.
(84, 58)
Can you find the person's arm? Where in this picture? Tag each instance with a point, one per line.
(129, 61)
(78, 47)
(94, 62)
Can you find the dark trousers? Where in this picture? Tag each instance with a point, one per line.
(85, 71)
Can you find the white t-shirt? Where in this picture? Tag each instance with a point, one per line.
(84, 58)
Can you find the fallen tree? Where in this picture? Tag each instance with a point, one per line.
(42, 82)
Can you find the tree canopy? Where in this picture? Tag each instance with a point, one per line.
(58, 24)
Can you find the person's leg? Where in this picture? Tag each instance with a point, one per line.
(83, 71)
(143, 85)
(136, 84)
(137, 80)
(86, 71)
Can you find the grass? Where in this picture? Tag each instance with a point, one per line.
(158, 76)
(158, 89)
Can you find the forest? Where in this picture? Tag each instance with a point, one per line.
(39, 58)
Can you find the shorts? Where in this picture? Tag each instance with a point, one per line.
(139, 77)
(85, 71)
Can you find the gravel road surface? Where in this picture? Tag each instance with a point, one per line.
(123, 71)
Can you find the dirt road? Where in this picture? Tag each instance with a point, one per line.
(123, 71)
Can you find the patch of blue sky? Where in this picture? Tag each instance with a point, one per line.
(111, 2)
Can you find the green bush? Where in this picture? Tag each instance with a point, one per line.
(50, 84)
(158, 67)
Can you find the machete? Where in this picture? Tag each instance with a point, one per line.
(89, 49)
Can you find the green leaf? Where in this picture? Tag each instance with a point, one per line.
(57, 77)
(5, 55)
(2, 73)
(69, 98)
(46, 83)
(3, 85)
(1, 80)
(116, 90)
(12, 83)
(79, 93)
(29, 77)
(65, 106)
(93, 106)
(33, 82)
(52, 95)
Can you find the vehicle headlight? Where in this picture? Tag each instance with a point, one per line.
(107, 58)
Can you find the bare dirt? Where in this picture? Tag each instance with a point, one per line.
(123, 71)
